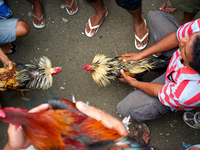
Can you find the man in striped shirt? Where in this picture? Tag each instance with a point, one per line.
(179, 87)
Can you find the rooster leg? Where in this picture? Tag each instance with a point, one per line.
(22, 90)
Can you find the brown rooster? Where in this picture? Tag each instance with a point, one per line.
(104, 69)
(65, 128)
(36, 76)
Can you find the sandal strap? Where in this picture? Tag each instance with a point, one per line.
(144, 37)
(70, 4)
(94, 27)
(37, 17)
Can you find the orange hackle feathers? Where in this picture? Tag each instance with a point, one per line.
(54, 128)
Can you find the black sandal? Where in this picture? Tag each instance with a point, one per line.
(139, 137)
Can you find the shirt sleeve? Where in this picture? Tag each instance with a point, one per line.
(188, 28)
(180, 94)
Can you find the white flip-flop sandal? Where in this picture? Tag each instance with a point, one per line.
(140, 40)
(94, 27)
(71, 7)
(39, 19)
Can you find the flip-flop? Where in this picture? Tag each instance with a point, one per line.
(140, 40)
(168, 6)
(94, 27)
(39, 19)
(71, 7)
(14, 48)
(139, 136)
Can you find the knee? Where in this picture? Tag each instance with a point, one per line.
(22, 28)
(151, 14)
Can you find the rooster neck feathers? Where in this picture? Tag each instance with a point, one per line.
(38, 73)
(105, 69)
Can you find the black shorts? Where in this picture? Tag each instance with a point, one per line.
(126, 4)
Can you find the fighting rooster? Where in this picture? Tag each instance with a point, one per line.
(104, 69)
(65, 128)
(37, 75)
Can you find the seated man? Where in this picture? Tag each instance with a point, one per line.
(178, 88)
(10, 30)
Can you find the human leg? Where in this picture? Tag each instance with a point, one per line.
(71, 6)
(134, 8)
(187, 17)
(141, 107)
(37, 14)
(161, 24)
(96, 19)
(10, 30)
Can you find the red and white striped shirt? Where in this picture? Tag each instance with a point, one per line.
(182, 85)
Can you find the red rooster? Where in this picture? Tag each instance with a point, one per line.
(37, 75)
(65, 128)
(104, 69)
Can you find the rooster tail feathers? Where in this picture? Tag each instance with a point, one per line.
(38, 74)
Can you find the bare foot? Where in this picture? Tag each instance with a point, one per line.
(145, 137)
(96, 19)
(140, 29)
(38, 12)
(6, 48)
(71, 6)
(169, 9)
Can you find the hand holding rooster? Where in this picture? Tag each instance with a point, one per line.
(18, 140)
(16, 137)
(133, 56)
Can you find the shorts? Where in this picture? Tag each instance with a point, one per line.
(126, 4)
(7, 30)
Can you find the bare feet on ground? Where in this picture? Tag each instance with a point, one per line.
(96, 19)
(38, 12)
(167, 9)
(140, 29)
(74, 6)
(6, 48)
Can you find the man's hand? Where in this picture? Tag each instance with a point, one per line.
(5, 60)
(108, 120)
(16, 137)
(134, 56)
(127, 79)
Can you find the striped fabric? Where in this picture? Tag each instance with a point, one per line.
(182, 85)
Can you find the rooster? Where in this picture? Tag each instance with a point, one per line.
(37, 75)
(104, 69)
(65, 128)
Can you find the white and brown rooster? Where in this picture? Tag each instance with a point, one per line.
(37, 75)
(104, 69)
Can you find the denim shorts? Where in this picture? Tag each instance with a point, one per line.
(126, 4)
(7, 30)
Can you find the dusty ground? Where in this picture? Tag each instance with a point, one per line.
(66, 45)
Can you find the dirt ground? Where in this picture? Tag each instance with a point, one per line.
(66, 45)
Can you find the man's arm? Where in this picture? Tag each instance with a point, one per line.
(150, 88)
(167, 43)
